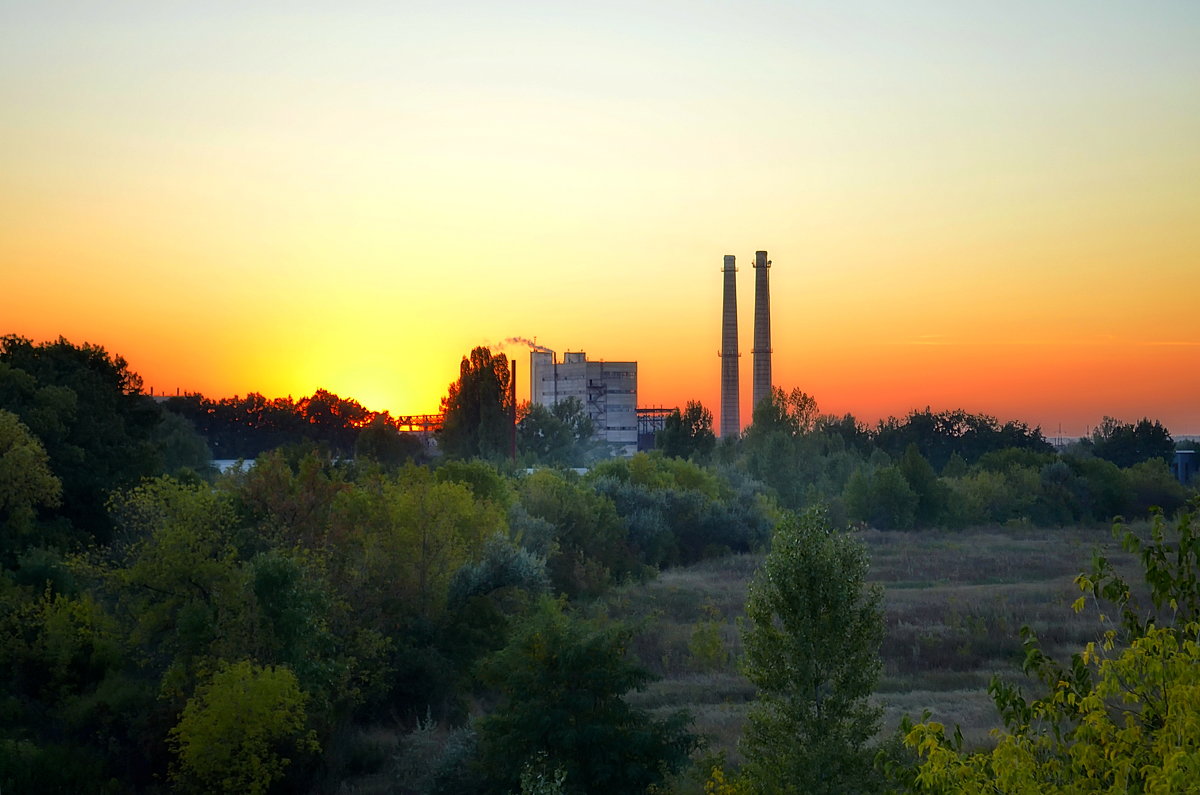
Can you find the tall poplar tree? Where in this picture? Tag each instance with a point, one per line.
(477, 408)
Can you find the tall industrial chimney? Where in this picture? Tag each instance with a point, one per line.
(731, 422)
(762, 328)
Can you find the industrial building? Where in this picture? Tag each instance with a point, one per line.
(607, 390)
(1186, 466)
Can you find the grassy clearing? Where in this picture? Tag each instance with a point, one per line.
(954, 604)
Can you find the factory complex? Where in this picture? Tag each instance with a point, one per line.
(608, 390)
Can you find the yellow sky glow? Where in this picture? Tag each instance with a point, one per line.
(994, 208)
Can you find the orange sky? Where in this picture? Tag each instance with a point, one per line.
(997, 209)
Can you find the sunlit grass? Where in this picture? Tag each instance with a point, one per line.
(954, 604)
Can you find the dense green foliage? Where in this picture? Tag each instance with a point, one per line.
(165, 627)
(561, 682)
(99, 433)
(87, 410)
(559, 435)
(951, 469)
(812, 650)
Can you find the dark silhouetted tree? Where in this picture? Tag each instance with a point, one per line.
(379, 441)
(562, 682)
(1127, 444)
(931, 494)
(688, 434)
(87, 409)
(477, 408)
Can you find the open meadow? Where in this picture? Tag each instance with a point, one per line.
(954, 605)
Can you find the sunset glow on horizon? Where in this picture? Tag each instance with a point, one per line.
(988, 207)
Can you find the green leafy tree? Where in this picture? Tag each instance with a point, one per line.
(787, 449)
(477, 408)
(484, 480)
(542, 438)
(290, 500)
(241, 730)
(175, 573)
(1151, 485)
(558, 435)
(882, 498)
(931, 494)
(1123, 716)
(180, 446)
(562, 682)
(589, 541)
(87, 408)
(791, 413)
(26, 483)
(939, 435)
(403, 538)
(688, 434)
(812, 649)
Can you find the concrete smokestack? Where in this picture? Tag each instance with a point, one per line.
(731, 419)
(762, 328)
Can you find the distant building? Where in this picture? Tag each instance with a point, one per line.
(607, 390)
(1185, 466)
(650, 421)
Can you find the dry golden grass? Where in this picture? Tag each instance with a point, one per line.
(954, 604)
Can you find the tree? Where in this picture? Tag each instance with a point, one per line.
(882, 498)
(931, 494)
(180, 446)
(402, 540)
(174, 570)
(558, 435)
(792, 413)
(26, 483)
(688, 434)
(234, 732)
(477, 408)
(939, 435)
(1126, 444)
(812, 650)
(87, 408)
(562, 682)
(590, 541)
(1123, 716)
(379, 441)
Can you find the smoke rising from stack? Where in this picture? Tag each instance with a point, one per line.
(731, 424)
(762, 328)
(522, 341)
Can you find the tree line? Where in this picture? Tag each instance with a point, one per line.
(948, 469)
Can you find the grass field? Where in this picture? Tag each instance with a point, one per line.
(954, 605)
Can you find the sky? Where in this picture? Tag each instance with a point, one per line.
(992, 206)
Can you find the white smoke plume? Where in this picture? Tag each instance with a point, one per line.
(522, 342)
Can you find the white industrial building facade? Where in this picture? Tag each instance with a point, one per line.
(607, 390)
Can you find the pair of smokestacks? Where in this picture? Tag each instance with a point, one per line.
(731, 421)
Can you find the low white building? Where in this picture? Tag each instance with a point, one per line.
(607, 390)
